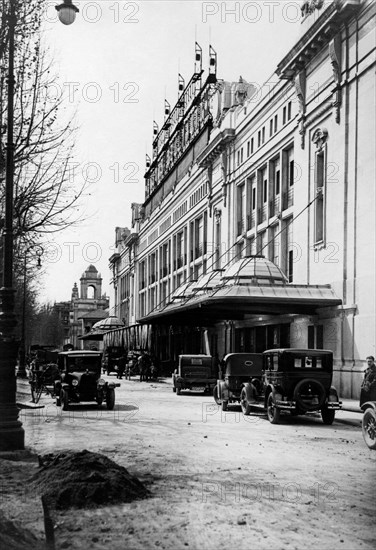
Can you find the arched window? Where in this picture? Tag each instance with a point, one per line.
(91, 291)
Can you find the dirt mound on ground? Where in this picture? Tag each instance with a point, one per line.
(15, 537)
(85, 480)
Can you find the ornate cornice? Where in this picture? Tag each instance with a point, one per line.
(317, 36)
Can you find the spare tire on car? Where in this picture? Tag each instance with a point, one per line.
(309, 394)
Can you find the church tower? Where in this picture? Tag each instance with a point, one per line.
(91, 284)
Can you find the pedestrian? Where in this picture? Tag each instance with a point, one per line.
(121, 367)
(368, 388)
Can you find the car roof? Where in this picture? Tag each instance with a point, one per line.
(299, 351)
(79, 353)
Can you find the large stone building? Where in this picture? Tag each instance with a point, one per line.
(258, 225)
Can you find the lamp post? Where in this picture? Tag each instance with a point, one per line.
(12, 435)
(21, 373)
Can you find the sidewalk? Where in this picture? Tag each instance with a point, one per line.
(350, 405)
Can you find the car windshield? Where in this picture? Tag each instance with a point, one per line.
(83, 363)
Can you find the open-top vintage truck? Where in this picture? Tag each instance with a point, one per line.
(195, 372)
(295, 380)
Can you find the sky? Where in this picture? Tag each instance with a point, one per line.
(117, 63)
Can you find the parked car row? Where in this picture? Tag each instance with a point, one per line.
(294, 380)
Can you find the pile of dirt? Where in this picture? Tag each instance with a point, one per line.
(13, 536)
(84, 480)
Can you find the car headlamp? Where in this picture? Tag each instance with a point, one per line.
(101, 382)
(74, 382)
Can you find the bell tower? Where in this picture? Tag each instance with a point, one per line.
(91, 284)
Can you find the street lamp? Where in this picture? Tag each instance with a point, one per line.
(21, 373)
(67, 12)
(12, 435)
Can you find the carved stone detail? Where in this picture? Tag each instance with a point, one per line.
(224, 176)
(309, 6)
(300, 89)
(209, 183)
(335, 59)
(320, 137)
(217, 214)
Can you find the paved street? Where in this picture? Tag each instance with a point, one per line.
(216, 478)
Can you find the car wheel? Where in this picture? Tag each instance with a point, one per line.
(305, 391)
(224, 405)
(36, 392)
(369, 428)
(99, 400)
(215, 395)
(328, 415)
(110, 399)
(246, 409)
(64, 400)
(273, 412)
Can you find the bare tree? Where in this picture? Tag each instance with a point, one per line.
(46, 196)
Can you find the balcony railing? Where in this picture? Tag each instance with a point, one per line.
(241, 226)
(251, 220)
(262, 213)
(288, 198)
(274, 206)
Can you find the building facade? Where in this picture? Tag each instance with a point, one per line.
(258, 226)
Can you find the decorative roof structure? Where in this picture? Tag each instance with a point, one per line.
(109, 323)
(254, 269)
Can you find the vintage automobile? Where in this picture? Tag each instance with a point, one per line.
(295, 380)
(237, 370)
(195, 372)
(369, 424)
(80, 380)
(111, 356)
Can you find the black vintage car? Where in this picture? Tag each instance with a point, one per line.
(369, 424)
(80, 380)
(111, 357)
(295, 380)
(237, 370)
(194, 372)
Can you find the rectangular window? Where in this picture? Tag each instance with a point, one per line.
(271, 128)
(316, 336)
(274, 245)
(320, 196)
(238, 158)
(254, 198)
(284, 115)
(263, 134)
(261, 243)
(265, 190)
(291, 173)
(289, 110)
(252, 143)
(277, 181)
(248, 148)
(259, 138)
(241, 155)
(275, 123)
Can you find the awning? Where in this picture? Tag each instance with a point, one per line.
(234, 302)
(98, 336)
